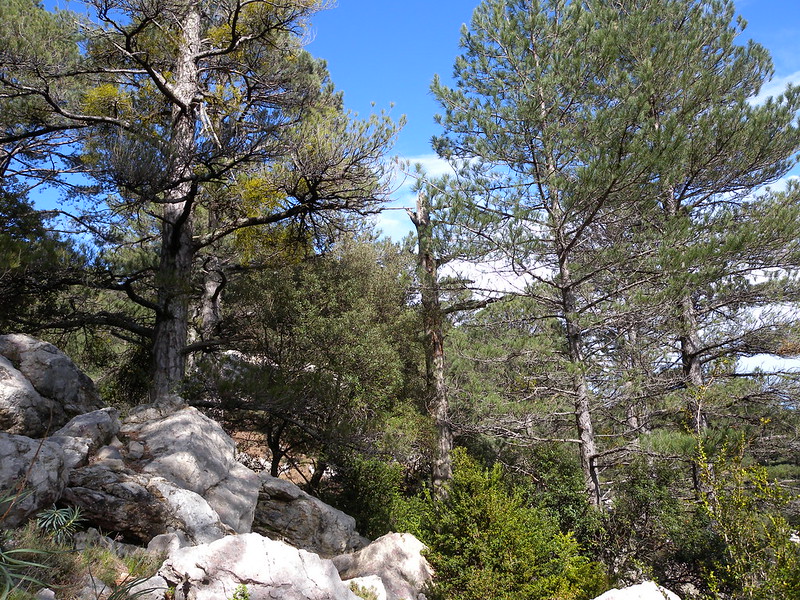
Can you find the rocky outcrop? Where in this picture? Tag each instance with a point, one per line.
(286, 512)
(118, 500)
(40, 387)
(396, 558)
(643, 591)
(86, 434)
(37, 468)
(167, 476)
(269, 569)
(158, 472)
(139, 506)
(194, 453)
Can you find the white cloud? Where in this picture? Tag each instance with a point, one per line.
(432, 164)
(394, 224)
(767, 363)
(489, 278)
(775, 87)
(781, 184)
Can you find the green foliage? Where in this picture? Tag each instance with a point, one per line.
(652, 530)
(760, 561)
(125, 376)
(370, 491)
(485, 542)
(330, 335)
(16, 568)
(555, 481)
(60, 523)
(34, 264)
(31, 558)
(362, 592)
(241, 593)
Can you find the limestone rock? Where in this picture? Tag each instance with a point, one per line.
(67, 390)
(167, 543)
(396, 558)
(23, 411)
(140, 506)
(643, 591)
(193, 452)
(270, 569)
(118, 501)
(154, 588)
(85, 434)
(92, 537)
(93, 588)
(36, 464)
(193, 514)
(286, 512)
(99, 426)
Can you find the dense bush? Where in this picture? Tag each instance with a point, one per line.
(369, 490)
(485, 541)
(653, 531)
(760, 560)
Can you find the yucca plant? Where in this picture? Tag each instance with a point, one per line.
(15, 568)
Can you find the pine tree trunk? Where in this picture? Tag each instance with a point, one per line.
(436, 389)
(580, 389)
(690, 360)
(690, 344)
(173, 279)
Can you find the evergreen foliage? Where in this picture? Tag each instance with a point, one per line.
(485, 542)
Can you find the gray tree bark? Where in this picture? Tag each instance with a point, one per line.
(177, 249)
(432, 317)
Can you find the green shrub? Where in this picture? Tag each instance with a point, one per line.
(556, 484)
(362, 592)
(241, 593)
(651, 531)
(760, 561)
(370, 491)
(485, 542)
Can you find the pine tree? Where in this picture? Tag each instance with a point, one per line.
(180, 99)
(594, 128)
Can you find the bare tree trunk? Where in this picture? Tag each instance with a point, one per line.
(173, 279)
(432, 317)
(580, 389)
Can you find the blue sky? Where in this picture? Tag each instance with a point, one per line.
(386, 52)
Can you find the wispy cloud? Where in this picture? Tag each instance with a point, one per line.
(393, 221)
(432, 164)
(775, 87)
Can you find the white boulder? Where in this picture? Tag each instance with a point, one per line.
(288, 513)
(396, 558)
(36, 469)
(643, 591)
(85, 434)
(193, 452)
(63, 391)
(270, 569)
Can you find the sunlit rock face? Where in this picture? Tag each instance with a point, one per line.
(40, 387)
